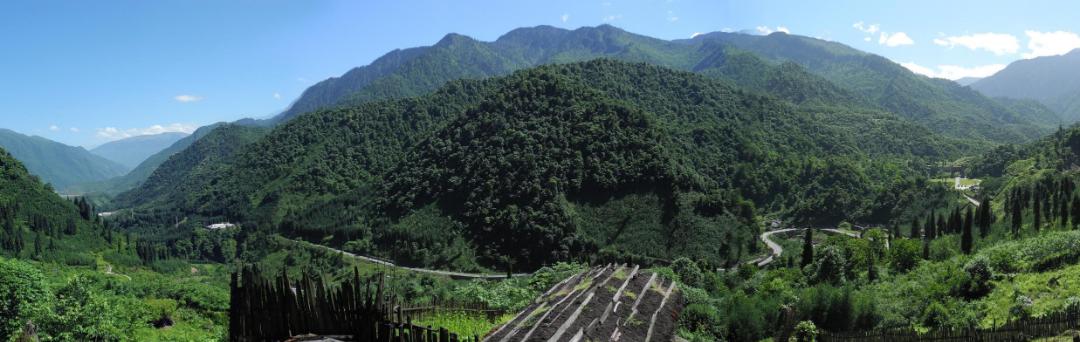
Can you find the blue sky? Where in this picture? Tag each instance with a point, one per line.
(86, 72)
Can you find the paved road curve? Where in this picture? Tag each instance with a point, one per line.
(455, 275)
(777, 249)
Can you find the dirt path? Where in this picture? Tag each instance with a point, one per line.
(451, 274)
(109, 270)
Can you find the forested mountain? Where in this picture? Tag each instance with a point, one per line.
(1051, 80)
(654, 140)
(24, 200)
(132, 151)
(58, 164)
(189, 170)
(868, 79)
(143, 171)
(967, 81)
(942, 105)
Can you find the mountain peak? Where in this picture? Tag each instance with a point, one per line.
(454, 39)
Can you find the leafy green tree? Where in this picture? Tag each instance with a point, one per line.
(904, 255)
(23, 295)
(805, 331)
(81, 314)
(829, 266)
(979, 276)
(688, 271)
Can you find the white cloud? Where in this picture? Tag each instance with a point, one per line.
(277, 96)
(895, 39)
(74, 129)
(919, 69)
(113, 133)
(997, 43)
(1050, 43)
(954, 72)
(565, 17)
(695, 34)
(672, 17)
(187, 98)
(765, 30)
(727, 29)
(54, 128)
(611, 18)
(868, 29)
(866, 39)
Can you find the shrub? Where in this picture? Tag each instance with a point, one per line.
(829, 267)
(22, 295)
(688, 272)
(979, 273)
(170, 266)
(805, 331)
(904, 255)
(700, 318)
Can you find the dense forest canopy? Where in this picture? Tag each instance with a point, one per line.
(544, 154)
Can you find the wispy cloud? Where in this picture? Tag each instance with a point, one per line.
(768, 30)
(74, 129)
(611, 18)
(954, 72)
(884, 38)
(187, 98)
(113, 133)
(1050, 43)
(277, 96)
(895, 39)
(997, 43)
(866, 28)
(565, 17)
(54, 128)
(695, 34)
(672, 17)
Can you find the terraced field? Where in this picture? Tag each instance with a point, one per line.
(610, 303)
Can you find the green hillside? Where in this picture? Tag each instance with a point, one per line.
(190, 170)
(60, 165)
(76, 279)
(941, 105)
(857, 77)
(140, 173)
(697, 137)
(1050, 80)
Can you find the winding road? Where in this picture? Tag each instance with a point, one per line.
(959, 187)
(454, 275)
(777, 249)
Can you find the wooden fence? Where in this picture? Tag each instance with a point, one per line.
(278, 309)
(1026, 329)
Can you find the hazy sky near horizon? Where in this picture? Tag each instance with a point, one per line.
(87, 72)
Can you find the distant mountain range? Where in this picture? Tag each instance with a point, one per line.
(132, 151)
(941, 105)
(966, 81)
(145, 168)
(58, 164)
(1053, 81)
